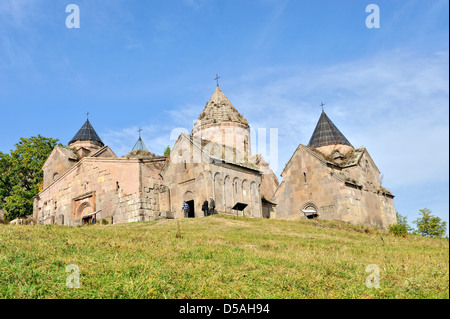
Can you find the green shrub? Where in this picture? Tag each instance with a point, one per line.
(402, 228)
(399, 230)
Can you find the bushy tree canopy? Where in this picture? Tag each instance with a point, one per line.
(21, 174)
(429, 225)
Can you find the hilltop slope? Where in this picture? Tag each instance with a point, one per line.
(220, 257)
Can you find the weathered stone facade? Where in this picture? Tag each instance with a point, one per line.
(123, 190)
(351, 192)
(193, 174)
(327, 179)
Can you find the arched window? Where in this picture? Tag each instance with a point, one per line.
(310, 211)
(245, 190)
(254, 192)
(253, 188)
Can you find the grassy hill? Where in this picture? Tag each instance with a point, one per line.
(220, 257)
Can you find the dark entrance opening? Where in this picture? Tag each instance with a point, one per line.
(87, 220)
(191, 213)
(268, 207)
(312, 216)
(90, 219)
(310, 212)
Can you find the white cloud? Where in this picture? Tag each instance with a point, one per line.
(394, 104)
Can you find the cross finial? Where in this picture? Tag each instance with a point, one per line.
(217, 79)
(139, 132)
(322, 104)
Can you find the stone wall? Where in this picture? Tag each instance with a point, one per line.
(269, 181)
(113, 187)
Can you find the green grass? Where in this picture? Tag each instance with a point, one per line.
(220, 257)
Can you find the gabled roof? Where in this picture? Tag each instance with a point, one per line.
(352, 158)
(219, 109)
(68, 153)
(86, 133)
(105, 151)
(326, 133)
(228, 154)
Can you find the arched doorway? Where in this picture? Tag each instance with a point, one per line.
(84, 212)
(189, 199)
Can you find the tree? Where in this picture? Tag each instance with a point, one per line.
(401, 228)
(429, 225)
(5, 178)
(167, 151)
(21, 174)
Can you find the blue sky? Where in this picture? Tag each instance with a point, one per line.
(151, 64)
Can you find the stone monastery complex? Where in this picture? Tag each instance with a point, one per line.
(327, 179)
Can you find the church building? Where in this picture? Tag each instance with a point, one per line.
(330, 179)
(327, 179)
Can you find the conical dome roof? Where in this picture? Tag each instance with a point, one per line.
(326, 133)
(219, 109)
(139, 146)
(86, 133)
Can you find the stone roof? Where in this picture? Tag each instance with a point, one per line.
(141, 154)
(68, 152)
(102, 151)
(86, 133)
(326, 133)
(219, 109)
(227, 155)
(351, 158)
